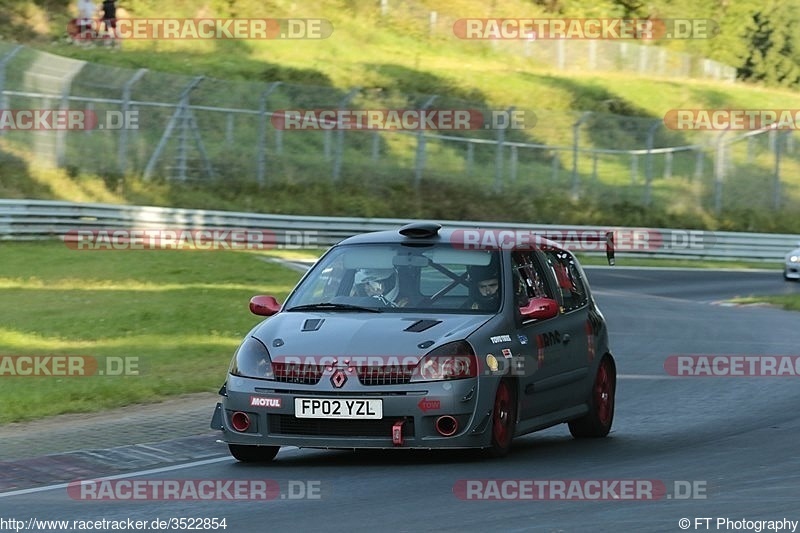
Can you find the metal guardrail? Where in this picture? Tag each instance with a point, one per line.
(43, 219)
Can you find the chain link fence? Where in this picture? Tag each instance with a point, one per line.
(574, 55)
(202, 130)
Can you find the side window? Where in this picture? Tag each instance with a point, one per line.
(529, 280)
(328, 283)
(568, 279)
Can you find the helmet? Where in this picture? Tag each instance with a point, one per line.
(487, 297)
(377, 282)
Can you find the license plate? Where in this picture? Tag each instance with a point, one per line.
(338, 408)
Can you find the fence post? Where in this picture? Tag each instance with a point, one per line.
(668, 165)
(575, 135)
(499, 155)
(180, 111)
(651, 133)
(229, 127)
(326, 146)
(555, 167)
(698, 164)
(513, 169)
(122, 148)
(60, 134)
(419, 163)
(3, 62)
(470, 157)
(376, 146)
(337, 163)
(261, 149)
(776, 198)
(719, 172)
(642, 59)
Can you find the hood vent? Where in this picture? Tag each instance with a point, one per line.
(312, 324)
(422, 325)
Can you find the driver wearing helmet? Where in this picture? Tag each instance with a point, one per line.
(379, 283)
(485, 290)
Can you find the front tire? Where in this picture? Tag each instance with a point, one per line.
(504, 418)
(597, 423)
(253, 454)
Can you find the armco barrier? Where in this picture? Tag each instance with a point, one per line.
(43, 219)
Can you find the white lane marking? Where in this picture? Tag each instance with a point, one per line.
(682, 269)
(171, 468)
(119, 476)
(644, 376)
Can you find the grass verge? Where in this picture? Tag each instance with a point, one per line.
(790, 302)
(180, 313)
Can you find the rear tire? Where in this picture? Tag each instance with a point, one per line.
(504, 418)
(253, 454)
(597, 423)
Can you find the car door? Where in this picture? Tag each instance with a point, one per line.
(574, 328)
(545, 362)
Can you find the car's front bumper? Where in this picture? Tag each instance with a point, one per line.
(415, 407)
(791, 270)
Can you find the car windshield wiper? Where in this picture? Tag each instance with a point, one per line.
(333, 306)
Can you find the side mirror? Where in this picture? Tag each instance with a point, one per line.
(539, 309)
(264, 305)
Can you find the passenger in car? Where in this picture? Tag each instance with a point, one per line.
(484, 289)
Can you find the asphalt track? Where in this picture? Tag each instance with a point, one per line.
(734, 438)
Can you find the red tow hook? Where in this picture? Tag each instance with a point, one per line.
(397, 432)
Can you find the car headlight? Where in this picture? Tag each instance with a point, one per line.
(454, 360)
(795, 259)
(251, 360)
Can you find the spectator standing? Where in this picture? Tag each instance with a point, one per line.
(110, 19)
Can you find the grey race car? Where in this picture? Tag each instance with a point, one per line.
(422, 338)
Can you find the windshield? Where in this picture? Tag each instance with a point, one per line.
(396, 278)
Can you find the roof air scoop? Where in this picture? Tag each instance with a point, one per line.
(420, 230)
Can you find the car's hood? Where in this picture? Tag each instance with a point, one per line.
(795, 252)
(305, 334)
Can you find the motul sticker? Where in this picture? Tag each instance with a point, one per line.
(260, 401)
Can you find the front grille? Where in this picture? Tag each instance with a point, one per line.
(297, 373)
(327, 427)
(385, 375)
